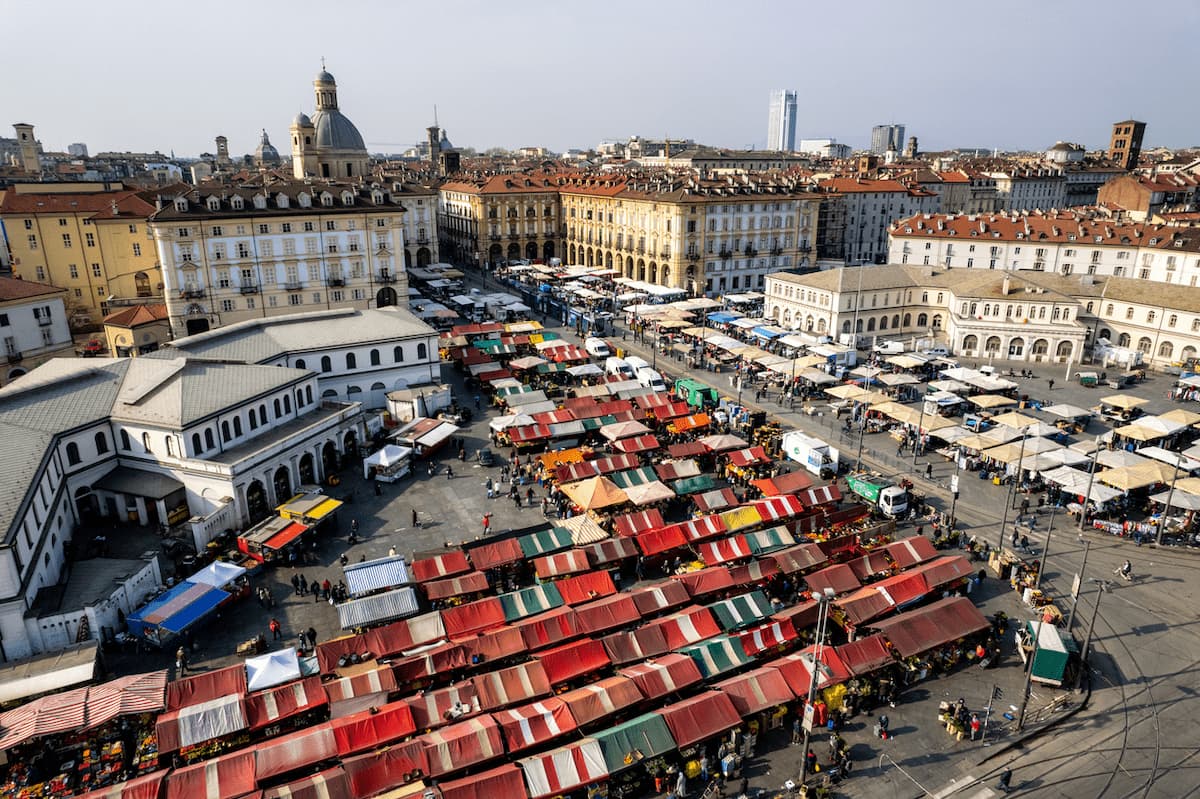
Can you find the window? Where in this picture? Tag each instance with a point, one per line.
(66, 239)
(216, 231)
(237, 426)
(225, 432)
(32, 239)
(422, 351)
(1172, 320)
(170, 447)
(101, 444)
(351, 361)
(96, 271)
(73, 454)
(326, 363)
(286, 227)
(922, 320)
(74, 270)
(308, 395)
(375, 357)
(300, 363)
(208, 439)
(264, 229)
(287, 403)
(253, 419)
(125, 444)
(137, 249)
(1150, 316)
(331, 225)
(1166, 349)
(196, 448)
(398, 354)
(89, 239)
(1129, 313)
(146, 442)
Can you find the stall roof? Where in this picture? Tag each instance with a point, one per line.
(610, 550)
(655, 597)
(787, 483)
(505, 781)
(767, 636)
(431, 709)
(925, 628)
(644, 642)
(865, 655)
(217, 574)
(271, 669)
(372, 609)
(462, 745)
(660, 539)
(687, 626)
(700, 717)
(571, 561)
(910, 551)
(492, 645)
(495, 553)
(717, 655)
(224, 777)
(529, 601)
(839, 577)
(797, 669)
(371, 680)
(595, 493)
(633, 523)
(607, 613)
(267, 707)
(373, 773)
(177, 609)
(473, 617)
(459, 585)
(542, 542)
(512, 685)
(944, 570)
(368, 576)
(572, 660)
(756, 572)
(664, 675)
(799, 558)
(372, 728)
(755, 691)
(585, 587)
(195, 724)
(148, 786)
(705, 581)
(547, 629)
(723, 550)
(626, 744)
(715, 500)
(560, 771)
(741, 611)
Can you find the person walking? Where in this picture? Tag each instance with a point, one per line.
(415, 522)
(1005, 776)
(276, 629)
(303, 586)
(296, 584)
(312, 637)
(796, 731)
(704, 768)
(1051, 381)
(681, 785)
(487, 522)
(180, 662)
(976, 724)
(449, 472)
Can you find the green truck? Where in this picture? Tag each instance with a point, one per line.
(881, 492)
(1055, 650)
(695, 393)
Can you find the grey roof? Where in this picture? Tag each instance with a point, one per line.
(264, 340)
(336, 132)
(302, 120)
(266, 152)
(324, 77)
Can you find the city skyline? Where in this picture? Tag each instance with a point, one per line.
(559, 93)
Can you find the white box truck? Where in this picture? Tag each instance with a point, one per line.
(814, 454)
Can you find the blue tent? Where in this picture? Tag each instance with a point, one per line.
(723, 317)
(174, 611)
(763, 332)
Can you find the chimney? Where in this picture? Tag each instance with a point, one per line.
(1005, 286)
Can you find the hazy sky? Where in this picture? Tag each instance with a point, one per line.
(1020, 74)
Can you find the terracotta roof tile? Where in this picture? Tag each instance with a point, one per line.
(13, 289)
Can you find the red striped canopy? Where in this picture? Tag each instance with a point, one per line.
(670, 410)
(700, 717)
(562, 770)
(706, 581)
(585, 587)
(380, 679)
(220, 778)
(300, 749)
(547, 629)
(606, 613)
(723, 550)
(701, 528)
(572, 472)
(668, 674)
(601, 698)
(945, 570)
(756, 691)
(332, 783)
(756, 572)
(571, 561)
(820, 495)
(439, 565)
(573, 660)
(687, 626)
(866, 655)
(469, 583)
(838, 577)
(206, 686)
(659, 540)
(473, 617)
(634, 523)
(615, 463)
(716, 500)
(799, 558)
(655, 597)
(768, 636)
(502, 781)
(495, 553)
(376, 772)
(910, 551)
(797, 669)
(494, 644)
(511, 686)
(267, 707)
(369, 729)
(462, 745)
(788, 483)
(750, 456)
(870, 565)
(644, 642)
(148, 786)
(610, 550)
(773, 509)
(433, 709)
(535, 723)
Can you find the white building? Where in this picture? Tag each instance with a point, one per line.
(781, 121)
(1030, 189)
(33, 325)
(232, 254)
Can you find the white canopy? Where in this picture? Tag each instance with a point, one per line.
(584, 370)
(271, 669)
(1076, 482)
(1166, 456)
(389, 455)
(217, 574)
(1067, 411)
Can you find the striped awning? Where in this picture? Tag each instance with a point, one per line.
(380, 607)
(373, 575)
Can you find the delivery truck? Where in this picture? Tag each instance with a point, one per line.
(814, 454)
(882, 492)
(695, 393)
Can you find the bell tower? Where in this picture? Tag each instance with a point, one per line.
(30, 161)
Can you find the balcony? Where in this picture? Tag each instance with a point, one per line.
(335, 282)
(549, 234)
(248, 288)
(384, 277)
(494, 237)
(292, 285)
(514, 236)
(44, 321)
(422, 239)
(805, 248)
(192, 293)
(665, 254)
(776, 251)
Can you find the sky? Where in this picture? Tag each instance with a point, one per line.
(1013, 75)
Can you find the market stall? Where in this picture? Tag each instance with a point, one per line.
(389, 464)
(601, 698)
(561, 771)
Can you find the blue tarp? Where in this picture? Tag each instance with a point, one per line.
(723, 317)
(762, 332)
(174, 611)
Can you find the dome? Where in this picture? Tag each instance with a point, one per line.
(336, 132)
(324, 77)
(266, 152)
(302, 120)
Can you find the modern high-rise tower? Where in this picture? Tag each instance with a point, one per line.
(887, 137)
(781, 124)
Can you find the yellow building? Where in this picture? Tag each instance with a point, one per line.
(93, 243)
(137, 330)
(500, 217)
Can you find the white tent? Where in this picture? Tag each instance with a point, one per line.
(388, 460)
(271, 669)
(217, 574)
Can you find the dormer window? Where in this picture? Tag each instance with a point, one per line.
(1153, 242)
(304, 200)
(347, 198)
(213, 203)
(1179, 242)
(281, 200)
(260, 202)
(237, 203)
(327, 199)
(377, 197)
(181, 204)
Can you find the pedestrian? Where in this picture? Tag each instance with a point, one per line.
(296, 584)
(1051, 381)
(883, 725)
(681, 785)
(929, 471)
(517, 499)
(529, 496)
(810, 759)
(491, 488)
(276, 629)
(1006, 775)
(704, 768)
(325, 586)
(976, 725)
(487, 522)
(449, 472)
(796, 731)
(391, 552)
(180, 662)
(312, 637)
(415, 523)
(344, 559)
(303, 586)
(316, 591)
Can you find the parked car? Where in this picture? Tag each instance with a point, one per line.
(485, 457)
(936, 352)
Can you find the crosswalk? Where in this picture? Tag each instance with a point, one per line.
(966, 788)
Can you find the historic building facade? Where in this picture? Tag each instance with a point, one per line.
(327, 145)
(495, 218)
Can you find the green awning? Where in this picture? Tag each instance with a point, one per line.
(508, 391)
(741, 611)
(529, 601)
(694, 485)
(626, 745)
(484, 343)
(769, 540)
(545, 541)
(595, 424)
(634, 477)
(717, 655)
(552, 368)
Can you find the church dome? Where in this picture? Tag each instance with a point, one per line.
(336, 132)
(324, 77)
(302, 120)
(266, 152)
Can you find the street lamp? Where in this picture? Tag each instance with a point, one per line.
(1091, 478)
(1009, 501)
(1162, 523)
(824, 599)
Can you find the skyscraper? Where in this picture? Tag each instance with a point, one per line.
(887, 137)
(781, 124)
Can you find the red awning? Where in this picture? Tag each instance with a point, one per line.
(462, 745)
(535, 723)
(145, 787)
(653, 598)
(221, 778)
(797, 670)
(687, 449)
(717, 500)
(749, 456)
(616, 463)
(864, 604)
(606, 614)
(369, 729)
(573, 660)
(676, 469)
(820, 495)
(756, 691)
(668, 674)
(610, 550)
(723, 550)
(870, 565)
(600, 699)
(800, 616)
(511, 686)
(469, 583)
(527, 433)
(572, 561)
(904, 588)
(572, 472)
(206, 686)
(634, 523)
(443, 564)
(671, 410)
(700, 717)
(642, 643)
(562, 770)
(285, 536)
(378, 680)
(788, 483)
(945, 570)
(755, 572)
(440, 659)
(663, 539)
(774, 509)
(491, 645)
(554, 417)
(473, 617)
(799, 558)
(838, 577)
(297, 750)
(381, 641)
(687, 626)
(329, 784)
(432, 709)
(495, 553)
(910, 551)
(701, 528)
(547, 629)
(923, 629)
(503, 781)
(585, 587)
(267, 707)
(376, 772)
(643, 443)
(705, 581)
(866, 655)
(767, 636)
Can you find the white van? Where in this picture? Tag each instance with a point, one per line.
(597, 347)
(651, 379)
(889, 347)
(619, 367)
(636, 364)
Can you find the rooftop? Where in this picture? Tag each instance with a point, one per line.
(15, 289)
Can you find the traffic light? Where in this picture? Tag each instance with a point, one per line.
(997, 692)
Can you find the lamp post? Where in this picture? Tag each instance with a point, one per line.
(1162, 523)
(823, 601)
(958, 461)
(1008, 502)
(1087, 545)
(1045, 549)
(1087, 497)
(1101, 587)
